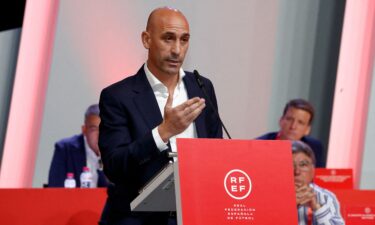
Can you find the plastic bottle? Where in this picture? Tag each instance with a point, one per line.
(70, 182)
(86, 178)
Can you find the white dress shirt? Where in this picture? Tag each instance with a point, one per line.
(328, 214)
(179, 97)
(92, 162)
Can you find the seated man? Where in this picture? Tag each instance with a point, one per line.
(73, 153)
(295, 124)
(315, 205)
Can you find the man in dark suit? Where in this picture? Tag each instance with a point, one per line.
(295, 124)
(143, 115)
(73, 153)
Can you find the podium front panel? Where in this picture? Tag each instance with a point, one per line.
(236, 182)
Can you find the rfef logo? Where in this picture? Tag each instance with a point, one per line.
(237, 184)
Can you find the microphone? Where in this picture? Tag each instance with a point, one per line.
(201, 86)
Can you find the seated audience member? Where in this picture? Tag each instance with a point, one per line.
(315, 204)
(74, 153)
(295, 124)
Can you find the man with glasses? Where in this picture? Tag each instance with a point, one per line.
(315, 205)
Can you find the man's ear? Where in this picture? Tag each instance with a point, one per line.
(83, 129)
(281, 118)
(313, 171)
(146, 39)
(308, 129)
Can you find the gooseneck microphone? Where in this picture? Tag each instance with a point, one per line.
(201, 86)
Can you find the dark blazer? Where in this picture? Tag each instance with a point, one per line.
(314, 144)
(70, 157)
(129, 111)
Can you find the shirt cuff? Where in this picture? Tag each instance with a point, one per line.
(158, 141)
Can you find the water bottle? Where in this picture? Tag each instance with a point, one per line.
(70, 182)
(86, 178)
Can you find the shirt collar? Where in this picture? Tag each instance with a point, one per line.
(278, 136)
(155, 82)
(89, 152)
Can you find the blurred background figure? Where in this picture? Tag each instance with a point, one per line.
(295, 124)
(315, 205)
(73, 153)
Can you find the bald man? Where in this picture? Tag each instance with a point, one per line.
(142, 115)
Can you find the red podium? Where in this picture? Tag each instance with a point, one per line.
(223, 182)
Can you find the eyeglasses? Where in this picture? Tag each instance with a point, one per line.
(303, 165)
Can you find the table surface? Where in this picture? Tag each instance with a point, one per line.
(52, 206)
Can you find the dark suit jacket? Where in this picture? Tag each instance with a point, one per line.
(129, 111)
(314, 144)
(70, 157)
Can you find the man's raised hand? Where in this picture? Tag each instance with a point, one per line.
(177, 119)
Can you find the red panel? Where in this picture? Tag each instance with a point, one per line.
(357, 206)
(236, 182)
(353, 83)
(28, 97)
(52, 206)
(334, 178)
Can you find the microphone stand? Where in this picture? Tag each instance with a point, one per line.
(201, 85)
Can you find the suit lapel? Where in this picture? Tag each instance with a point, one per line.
(193, 90)
(80, 156)
(147, 105)
(145, 100)
(102, 179)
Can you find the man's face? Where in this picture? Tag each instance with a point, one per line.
(167, 41)
(294, 124)
(91, 131)
(303, 169)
